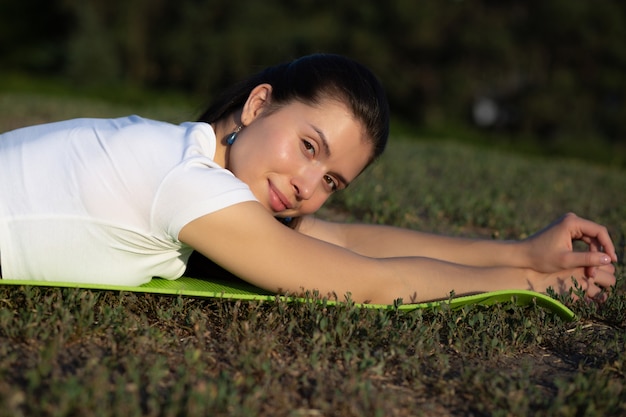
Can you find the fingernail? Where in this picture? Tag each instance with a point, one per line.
(605, 260)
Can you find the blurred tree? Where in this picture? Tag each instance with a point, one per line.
(32, 35)
(93, 55)
(553, 69)
(135, 28)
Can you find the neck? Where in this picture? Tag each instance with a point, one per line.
(222, 129)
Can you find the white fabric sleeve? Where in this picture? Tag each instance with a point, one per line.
(192, 189)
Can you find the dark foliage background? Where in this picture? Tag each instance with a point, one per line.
(548, 72)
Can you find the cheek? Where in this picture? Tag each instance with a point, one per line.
(245, 158)
(313, 205)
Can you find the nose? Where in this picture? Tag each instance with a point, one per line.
(306, 183)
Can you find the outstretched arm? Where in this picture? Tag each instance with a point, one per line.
(381, 241)
(549, 250)
(250, 243)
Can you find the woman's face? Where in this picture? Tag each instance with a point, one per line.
(295, 157)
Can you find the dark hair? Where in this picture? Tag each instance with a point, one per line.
(310, 79)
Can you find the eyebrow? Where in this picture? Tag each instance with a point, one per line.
(327, 153)
(322, 136)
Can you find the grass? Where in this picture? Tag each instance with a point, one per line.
(67, 352)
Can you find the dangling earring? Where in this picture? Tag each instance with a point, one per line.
(233, 136)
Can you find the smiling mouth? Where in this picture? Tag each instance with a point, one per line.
(278, 202)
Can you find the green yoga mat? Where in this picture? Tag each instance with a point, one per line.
(241, 290)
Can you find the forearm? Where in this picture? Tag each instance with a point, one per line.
(279, 259)
(385, 242)
(424, 279)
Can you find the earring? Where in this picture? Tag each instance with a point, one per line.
(233, 136)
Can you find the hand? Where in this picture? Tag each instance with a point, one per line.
(561, 282)
(551, 252)
(551, 249)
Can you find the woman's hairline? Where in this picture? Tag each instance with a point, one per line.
(316, 102)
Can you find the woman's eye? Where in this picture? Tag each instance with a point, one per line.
(331, 182)
(308, 147)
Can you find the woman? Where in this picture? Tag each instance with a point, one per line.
(123, 200)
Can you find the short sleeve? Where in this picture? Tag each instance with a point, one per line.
(194, 188)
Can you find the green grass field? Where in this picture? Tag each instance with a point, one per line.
(67, 352)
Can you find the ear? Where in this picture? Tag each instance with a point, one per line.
(257, 103)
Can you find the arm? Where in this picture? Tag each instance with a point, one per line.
(386, 241)
(254, 246)
(549, 250)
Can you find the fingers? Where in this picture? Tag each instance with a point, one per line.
(605, 278)
(597, 292)
(595, 235)
(593, 288)
(589, 260)
(596, 288)
(592, 271)
(594, 246)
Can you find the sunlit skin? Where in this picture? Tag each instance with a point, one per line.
(280, 153)
(293, 155)
(294, 158)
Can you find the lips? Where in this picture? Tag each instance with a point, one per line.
(278, 202)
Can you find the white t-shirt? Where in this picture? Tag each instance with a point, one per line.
(103, 200)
